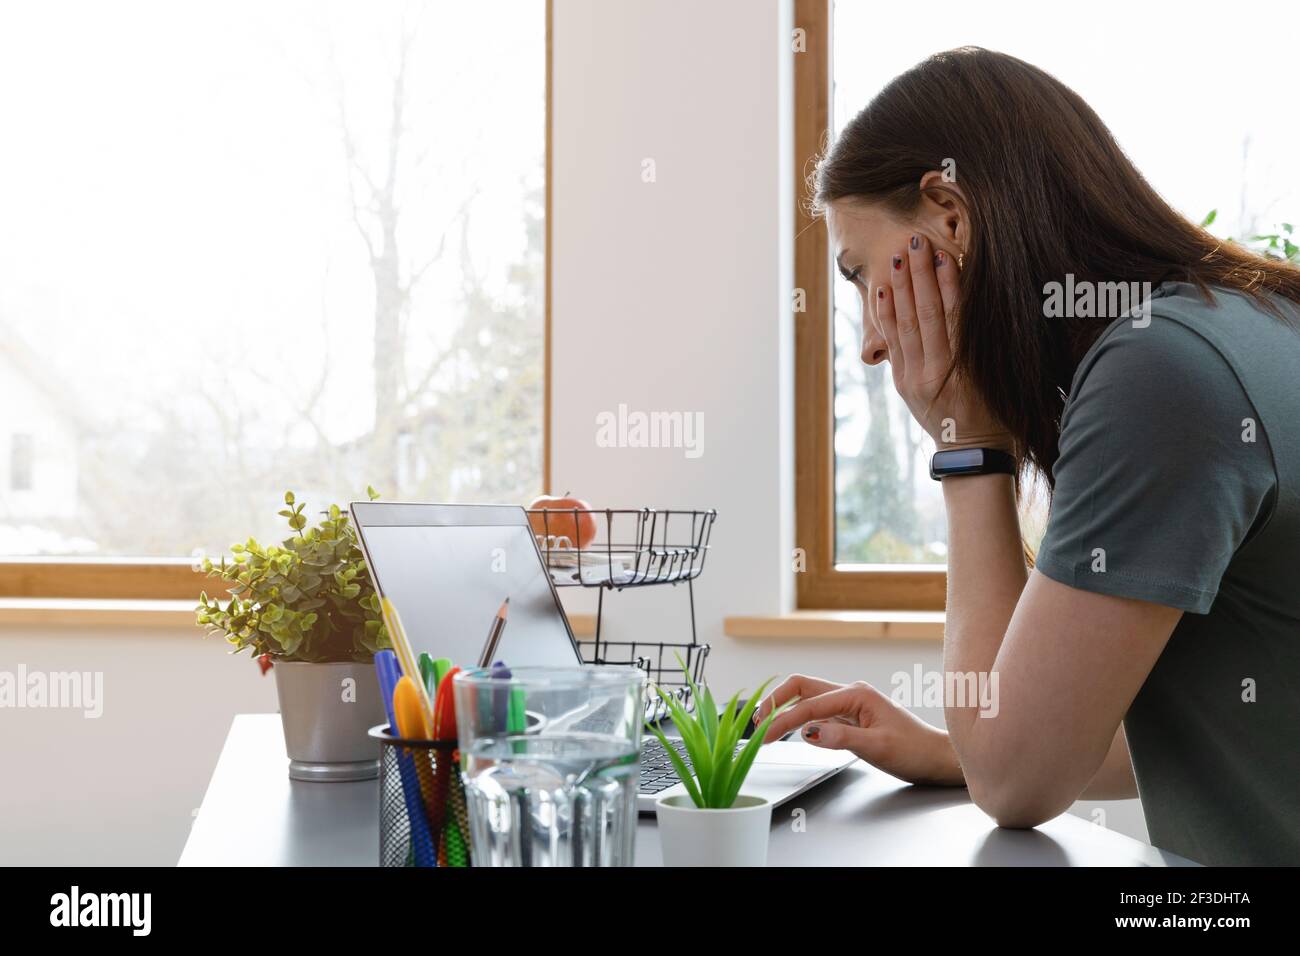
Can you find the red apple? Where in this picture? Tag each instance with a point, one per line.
(580, 529)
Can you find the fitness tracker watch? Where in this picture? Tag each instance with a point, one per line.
(971, 461)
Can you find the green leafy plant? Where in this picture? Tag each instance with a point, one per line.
(711, 741)
(308, 598)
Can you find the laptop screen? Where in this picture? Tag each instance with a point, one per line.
(447, 568)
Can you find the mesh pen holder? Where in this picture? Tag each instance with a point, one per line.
(423, 816)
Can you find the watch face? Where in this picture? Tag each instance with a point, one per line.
(959, 458)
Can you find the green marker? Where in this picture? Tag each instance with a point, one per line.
(516, 717)
(440, 668)
(428, 674)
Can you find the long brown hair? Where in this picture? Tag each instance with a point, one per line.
(1048, 193)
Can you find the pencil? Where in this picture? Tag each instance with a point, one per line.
(494, 636)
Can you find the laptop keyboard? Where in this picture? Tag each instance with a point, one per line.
(657, 773)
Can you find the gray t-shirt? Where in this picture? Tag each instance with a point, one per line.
(1179, 474)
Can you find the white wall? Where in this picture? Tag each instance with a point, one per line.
(668, 295)
(118, 789)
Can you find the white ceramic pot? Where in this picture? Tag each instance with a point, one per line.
(690, 836)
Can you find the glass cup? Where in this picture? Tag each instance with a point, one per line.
(550, 760)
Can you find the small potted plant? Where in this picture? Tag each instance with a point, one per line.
(713, 823)
(306, 608)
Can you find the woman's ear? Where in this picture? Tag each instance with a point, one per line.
(943, 209)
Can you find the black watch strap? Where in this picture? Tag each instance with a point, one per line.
(971, 461)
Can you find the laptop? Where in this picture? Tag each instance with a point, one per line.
(449, 567)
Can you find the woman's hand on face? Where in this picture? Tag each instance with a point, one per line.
(914, 313)
(860, 719)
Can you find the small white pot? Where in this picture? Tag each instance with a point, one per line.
(690, 836)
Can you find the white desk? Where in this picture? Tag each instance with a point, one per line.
(253, 814)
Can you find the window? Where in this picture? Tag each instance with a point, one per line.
(868, 515)
(254, 247)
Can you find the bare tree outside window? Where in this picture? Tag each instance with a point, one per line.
(252, 247)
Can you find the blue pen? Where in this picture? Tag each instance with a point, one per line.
(500, 699)
(388, 670)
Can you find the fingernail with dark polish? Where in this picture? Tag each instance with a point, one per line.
(938, 259)
(880, 292)
(916, 242)
(812, 732)
(898, 262)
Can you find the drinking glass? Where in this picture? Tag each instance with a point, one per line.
(550, 758)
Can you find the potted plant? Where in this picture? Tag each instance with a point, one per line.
(713, 823)
(306, 608)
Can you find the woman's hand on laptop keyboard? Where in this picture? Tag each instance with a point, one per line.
(860, 719)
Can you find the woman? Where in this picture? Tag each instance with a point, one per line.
(993, 229)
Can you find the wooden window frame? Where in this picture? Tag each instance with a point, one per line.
(180, 579)
(823, 584)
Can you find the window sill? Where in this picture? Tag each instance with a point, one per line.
(839, 625)
(71, 612)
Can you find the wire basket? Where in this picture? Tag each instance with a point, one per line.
(615, 548)
(622, 547)
(423, 815)
(659, 662)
